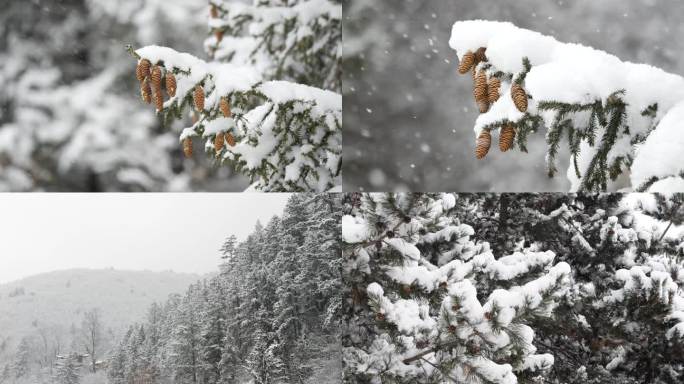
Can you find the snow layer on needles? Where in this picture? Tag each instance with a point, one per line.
(284, 91)
(171, 58)
(660, 155)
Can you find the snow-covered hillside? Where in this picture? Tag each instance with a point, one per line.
(58, 300)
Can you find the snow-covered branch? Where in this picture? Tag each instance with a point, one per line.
(619, 117)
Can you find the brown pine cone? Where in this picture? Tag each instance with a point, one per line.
(219, 141)
(170, 84)
(484, 141)
(198, 97)
(466, 63)
(155, 77)
(493, 90)
(224, 105)
(187, 147)
(506, 137)
(480, 91)
(146, 91)
(480, 56)
(219, 35)
(142, 70)
(230, 139)
(213, 11)
(158, 98)
(519, 97)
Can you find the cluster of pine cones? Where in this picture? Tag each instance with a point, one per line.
(486, 92)
(150, 78)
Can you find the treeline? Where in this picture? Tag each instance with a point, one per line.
(265, 317)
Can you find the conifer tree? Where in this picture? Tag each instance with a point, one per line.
(22, 359)
(68, 370)
(267, 103)
(429, 305)
(620, 119)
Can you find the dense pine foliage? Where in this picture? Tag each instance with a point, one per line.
(435, 283)
(268, 316)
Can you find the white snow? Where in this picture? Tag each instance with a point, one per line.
(405, 248)
(661, 153)
(354, 229)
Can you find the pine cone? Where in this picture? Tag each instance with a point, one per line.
(480, 91)
(224, 105)
(519, 97)
(230, 140)
(484, 141)
(219, 35)
(198, 97)
(493, 90)
(218, 142)
(213, 11)
(451, 328)
(155, 77)
(158, 98)
(480, 56)
(187, 147)
(466, 63)
(380, 316)
(146, 91)
(506, 137)
(170, 84)
(142, 70)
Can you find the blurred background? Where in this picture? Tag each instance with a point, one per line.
(71, 117)
(408, 115)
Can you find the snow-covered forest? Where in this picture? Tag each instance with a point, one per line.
(512, 288)
(44, 318)
(409, 114)
(270, 315)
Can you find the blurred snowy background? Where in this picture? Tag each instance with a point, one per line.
(408, 115)
(70, 114)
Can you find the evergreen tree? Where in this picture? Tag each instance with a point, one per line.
(68, 370)
(22, 359)
(267, 103)
(429, 305)
(608, 111)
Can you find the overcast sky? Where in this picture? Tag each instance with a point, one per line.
(154, 231)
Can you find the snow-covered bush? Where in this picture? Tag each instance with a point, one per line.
(269, 93)
(65, 124)
(620, 119)
(429, 305)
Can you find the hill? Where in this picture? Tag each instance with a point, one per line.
(57, 301)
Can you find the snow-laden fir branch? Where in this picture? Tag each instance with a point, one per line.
(621, 119)
(267, 103)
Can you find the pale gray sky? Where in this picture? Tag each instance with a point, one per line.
(154, 231)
